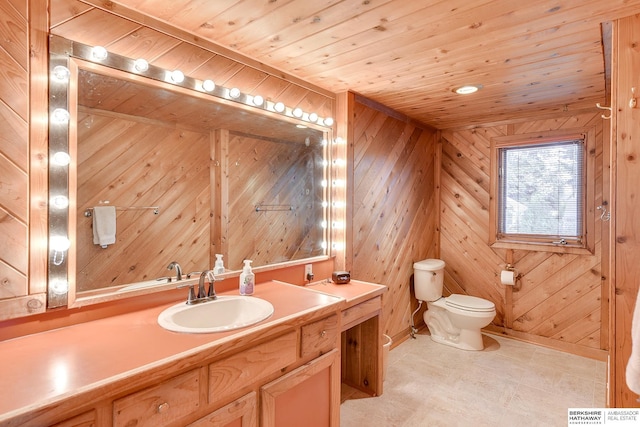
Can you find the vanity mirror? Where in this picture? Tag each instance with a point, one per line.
(188, 169)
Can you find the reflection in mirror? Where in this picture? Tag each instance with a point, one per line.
(186, 177)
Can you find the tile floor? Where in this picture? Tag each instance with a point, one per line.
(509, 383)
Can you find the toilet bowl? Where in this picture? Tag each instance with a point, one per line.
(455, 320)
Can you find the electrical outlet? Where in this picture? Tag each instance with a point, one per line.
(308, 272)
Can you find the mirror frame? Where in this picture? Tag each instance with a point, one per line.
(62, 129)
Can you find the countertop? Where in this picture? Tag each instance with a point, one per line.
(39, 370)
(354, 292)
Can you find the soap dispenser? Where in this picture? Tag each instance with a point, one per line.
(218, 268)
(247, 279)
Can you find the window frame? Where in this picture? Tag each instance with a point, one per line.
(534, 242)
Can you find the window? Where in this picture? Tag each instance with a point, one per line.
(540, 190)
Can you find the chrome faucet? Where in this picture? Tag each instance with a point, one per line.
(203, 294)
(210, 294)
(175, 265)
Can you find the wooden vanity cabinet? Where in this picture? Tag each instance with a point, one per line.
(290, 379)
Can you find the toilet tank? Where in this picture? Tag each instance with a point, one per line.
(428, 278)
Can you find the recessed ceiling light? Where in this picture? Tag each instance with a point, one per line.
(467, 89)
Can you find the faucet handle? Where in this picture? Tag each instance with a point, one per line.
(191, 299)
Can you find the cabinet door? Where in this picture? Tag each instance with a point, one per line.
(239, 413)
(308, 396)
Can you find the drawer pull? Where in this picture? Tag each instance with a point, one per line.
(163, 407)
(323, 333)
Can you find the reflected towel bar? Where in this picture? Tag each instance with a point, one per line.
(156, 209)
(265, 208)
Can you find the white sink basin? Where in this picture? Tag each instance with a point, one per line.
(223, 314)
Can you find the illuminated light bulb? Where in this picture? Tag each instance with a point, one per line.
(313, 117)
(279, 107)
(141, 65)
(323, 245)
(325, 163)
(208, 85)
(61, 158)
(325, 204)
(323, 142)
(234, 93)
(324, 183)
(99, 53)
(258, 100)
(59, 287)
(177, 76)
(60, 115)
(60, 202)
(61, 73)
(328, 121)
(297, 112)
(59, 243)
(323, 224)
(467, 89)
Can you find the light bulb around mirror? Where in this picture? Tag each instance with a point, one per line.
(328, 121)
(61, 158)
(313, 117)
(59, 243)
(60, 202)
(258, 100)
(59, 287)
(61, 73)
(177, 76)
(99, 53)
(279, 107)
(208, 85)
(297, 112)
(234, 93)
(60, 115)
(141, 65)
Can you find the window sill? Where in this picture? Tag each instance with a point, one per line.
(542, 247)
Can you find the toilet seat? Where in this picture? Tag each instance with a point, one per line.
(469, 303)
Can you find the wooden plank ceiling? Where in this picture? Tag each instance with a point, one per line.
(534, 56)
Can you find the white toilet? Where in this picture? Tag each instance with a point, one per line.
(455, 320)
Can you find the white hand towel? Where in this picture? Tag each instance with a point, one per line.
(104, 225)
(633, 366)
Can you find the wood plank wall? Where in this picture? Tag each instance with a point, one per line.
(14, 149)
(559, 301)
(394, 204)
(15, 161)
(131, 163)
(626, 245)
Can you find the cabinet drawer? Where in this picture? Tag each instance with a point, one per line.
(361, 312)
(161, 404)
(319, 337)
(229, 375)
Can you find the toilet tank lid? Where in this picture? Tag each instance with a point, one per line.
(429, 264)
(468, 302)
